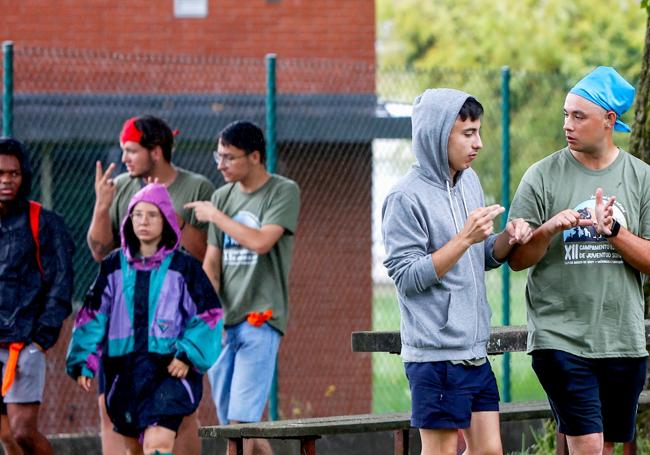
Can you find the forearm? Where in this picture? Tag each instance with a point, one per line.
(194, 240)
(633, 249)
(250, 238)
(212, 266)
(100, 235)
(502, 247)
(523, 256)
(447, 256)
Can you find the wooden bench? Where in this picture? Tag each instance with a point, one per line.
(502, 339)
(307, 431)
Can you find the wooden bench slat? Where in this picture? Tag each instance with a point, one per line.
(362, 423)
(502, 339)
(299, 428)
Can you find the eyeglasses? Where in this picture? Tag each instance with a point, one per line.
(225, 159)
(139, 217)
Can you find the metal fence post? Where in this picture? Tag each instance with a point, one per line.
(271, 163)
(505, 201)
(8, 89)
(271, 154)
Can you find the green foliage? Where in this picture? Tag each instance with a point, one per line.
(547, 36)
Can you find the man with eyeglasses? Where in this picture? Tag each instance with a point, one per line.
(35, 298)
(147, 143)
(253, 220)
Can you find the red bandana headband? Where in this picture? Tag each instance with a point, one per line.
(130, 132)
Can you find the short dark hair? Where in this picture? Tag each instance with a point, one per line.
(472, 109)
(245, 136)
(156, 132)
(14, 147)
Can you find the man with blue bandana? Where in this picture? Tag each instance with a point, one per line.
(590, 206)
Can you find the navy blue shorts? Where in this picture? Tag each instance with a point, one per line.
(444, 395)
(592, 395)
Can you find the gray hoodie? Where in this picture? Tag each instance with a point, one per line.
(448, 317)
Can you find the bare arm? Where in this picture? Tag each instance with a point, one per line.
(100, 235)
(212, 266)
(258, 240)
(516, 232)
(478, 227)
(194, 240)
(524, 256)
(634, 250)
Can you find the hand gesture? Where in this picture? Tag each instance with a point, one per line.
(604, 213)
(84, 383)
(519, 231)
(104, 186)
(178, 368)
(567, 219)
(203, 210)
(480, 223)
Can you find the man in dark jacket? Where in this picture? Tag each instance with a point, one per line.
(35, 295)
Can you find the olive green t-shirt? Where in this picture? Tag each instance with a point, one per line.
(186, 187)
(582, 297)
(252, 282)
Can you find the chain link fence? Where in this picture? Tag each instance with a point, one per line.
(343, 134)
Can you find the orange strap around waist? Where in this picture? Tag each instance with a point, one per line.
(257, 319)
(10, 367)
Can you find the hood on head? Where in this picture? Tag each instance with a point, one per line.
(10, 146)
(434, 115)
(156, 194)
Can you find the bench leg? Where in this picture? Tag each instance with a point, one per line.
(308, 446)
(401, 442)
(235, 446)
(561, 447)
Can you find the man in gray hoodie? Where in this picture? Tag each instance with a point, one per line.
(439, 240)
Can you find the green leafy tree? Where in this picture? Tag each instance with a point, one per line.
(567, 37)
(548, 44)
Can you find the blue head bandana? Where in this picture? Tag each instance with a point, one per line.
(607, 89)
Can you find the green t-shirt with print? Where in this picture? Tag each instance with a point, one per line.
(186, 187)
(582, 297)
(252, 282)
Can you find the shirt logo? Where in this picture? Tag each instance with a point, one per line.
(583, 245)
(233, 252)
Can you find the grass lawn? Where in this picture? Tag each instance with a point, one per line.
(390, 388)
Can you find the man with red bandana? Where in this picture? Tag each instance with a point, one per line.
(147, 143)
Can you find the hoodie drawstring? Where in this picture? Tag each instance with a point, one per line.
(453, 215)
(451, 204)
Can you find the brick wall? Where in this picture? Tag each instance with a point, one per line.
(293, 29)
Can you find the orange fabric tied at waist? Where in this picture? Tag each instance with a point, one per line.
(257, 319)
(10, 367)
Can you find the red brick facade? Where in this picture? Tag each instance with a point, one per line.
(233, 29)
(337, 29)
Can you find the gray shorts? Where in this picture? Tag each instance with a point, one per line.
(29, 382)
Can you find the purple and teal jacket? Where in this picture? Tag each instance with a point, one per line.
(163, 304)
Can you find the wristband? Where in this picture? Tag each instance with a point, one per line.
(616, 226)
